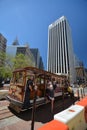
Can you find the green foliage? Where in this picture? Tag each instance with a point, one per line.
(5, 72)
(21, 61)
(5, 66)
(12, 63)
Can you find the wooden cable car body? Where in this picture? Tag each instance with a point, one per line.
(18, 86)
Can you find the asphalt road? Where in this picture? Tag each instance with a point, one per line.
(43, 113)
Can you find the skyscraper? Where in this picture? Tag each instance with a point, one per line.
(36, 55)
(38, 59)
(60, 51)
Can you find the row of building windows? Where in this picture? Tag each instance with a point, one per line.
(58, 59)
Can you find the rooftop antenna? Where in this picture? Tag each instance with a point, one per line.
(15, 42)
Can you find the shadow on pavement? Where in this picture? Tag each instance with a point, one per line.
(43, 113)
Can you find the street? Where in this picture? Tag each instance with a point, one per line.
(43, 114)
(13, 120)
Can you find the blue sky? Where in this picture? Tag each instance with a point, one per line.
(29, 21)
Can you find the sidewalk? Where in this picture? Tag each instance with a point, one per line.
(14, 123)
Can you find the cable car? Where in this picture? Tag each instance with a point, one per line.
(17, 90)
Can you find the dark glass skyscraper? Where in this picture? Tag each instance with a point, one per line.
(38, 59)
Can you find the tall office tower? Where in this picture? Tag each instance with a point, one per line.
(38, 59)
(60, 51)
(41, 65)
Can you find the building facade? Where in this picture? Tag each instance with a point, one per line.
(3, 42)
(80, 74)
(36, 55)
(41, 65)
(13, 50)
(60, 58)
(38, 59)
(80, 70)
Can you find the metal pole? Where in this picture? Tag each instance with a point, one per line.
(78, 93)
(33, 111)
(81, 93)
(63, 96)
(73, 97)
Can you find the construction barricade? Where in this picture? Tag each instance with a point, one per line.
(73, 117)
(83, 103)
(54, 125)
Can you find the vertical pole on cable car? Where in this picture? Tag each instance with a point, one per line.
(62, 83)
(33, 110)
(83, 92)
(78, 93)
(73, 97)
(63, 96)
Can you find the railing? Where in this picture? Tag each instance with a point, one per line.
(80, 93)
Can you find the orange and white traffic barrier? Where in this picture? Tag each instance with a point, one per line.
(54, 125)
(83, 103)
(73, 117)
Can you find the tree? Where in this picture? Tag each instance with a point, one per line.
(11, 63)
(5, 66)
(21, 61)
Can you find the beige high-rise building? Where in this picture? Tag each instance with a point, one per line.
(60, 51)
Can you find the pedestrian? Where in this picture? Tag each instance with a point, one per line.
(50, 94)
(70, 91)
(29, 89)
